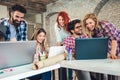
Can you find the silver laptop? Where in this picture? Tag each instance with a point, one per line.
(55, 50)
(14, 54)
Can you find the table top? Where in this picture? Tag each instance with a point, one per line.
(106, 66)
(25, 71)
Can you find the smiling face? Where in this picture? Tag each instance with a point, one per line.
(61, 21)
(40, 37)
(90, 24)
(78, 29)
(16, 18)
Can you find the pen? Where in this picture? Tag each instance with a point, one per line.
(8, 70)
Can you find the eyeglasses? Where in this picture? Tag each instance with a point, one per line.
(78, 27)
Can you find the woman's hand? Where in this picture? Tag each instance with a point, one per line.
(38, 65)
(112, 53)
(112, 56)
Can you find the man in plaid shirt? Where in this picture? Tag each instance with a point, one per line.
(75, 28)
(15, 27)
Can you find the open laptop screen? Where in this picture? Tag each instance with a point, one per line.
(18, 53)
(56, 50)
(91, 48)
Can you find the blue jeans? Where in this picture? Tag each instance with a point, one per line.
(43, 76)
(63, 74)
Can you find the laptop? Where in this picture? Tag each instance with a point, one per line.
(55, 50)
(91, 48)
(18, 53)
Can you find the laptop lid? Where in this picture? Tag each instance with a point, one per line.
(55, 50)
(18, 53)
(91, 48)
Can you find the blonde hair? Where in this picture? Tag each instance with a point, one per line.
(94, 18)
(34, 37)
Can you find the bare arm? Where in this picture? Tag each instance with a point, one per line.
(112, 53)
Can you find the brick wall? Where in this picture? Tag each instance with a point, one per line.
(75, 9)
(111, 12)
(106, 10)
(3, 11)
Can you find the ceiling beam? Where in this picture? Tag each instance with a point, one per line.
(34, 7)
(44, 1)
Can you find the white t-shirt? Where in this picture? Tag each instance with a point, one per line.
(13, 32)
(60, 33)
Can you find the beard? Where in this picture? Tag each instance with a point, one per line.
(80, 33)
(16, 23)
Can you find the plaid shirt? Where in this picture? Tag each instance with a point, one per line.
(21, 31)
(110, 31)
(69, 42)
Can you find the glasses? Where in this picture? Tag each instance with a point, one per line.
(78, 27)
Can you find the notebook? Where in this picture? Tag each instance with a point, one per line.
(91, 48)
(14, 54)
(55, 50)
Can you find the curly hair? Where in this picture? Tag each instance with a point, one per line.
(71, 24)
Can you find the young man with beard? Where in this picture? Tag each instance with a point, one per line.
(15, 25)
(75, 28)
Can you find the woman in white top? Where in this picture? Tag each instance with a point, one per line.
(61, 27)
(61, 31)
